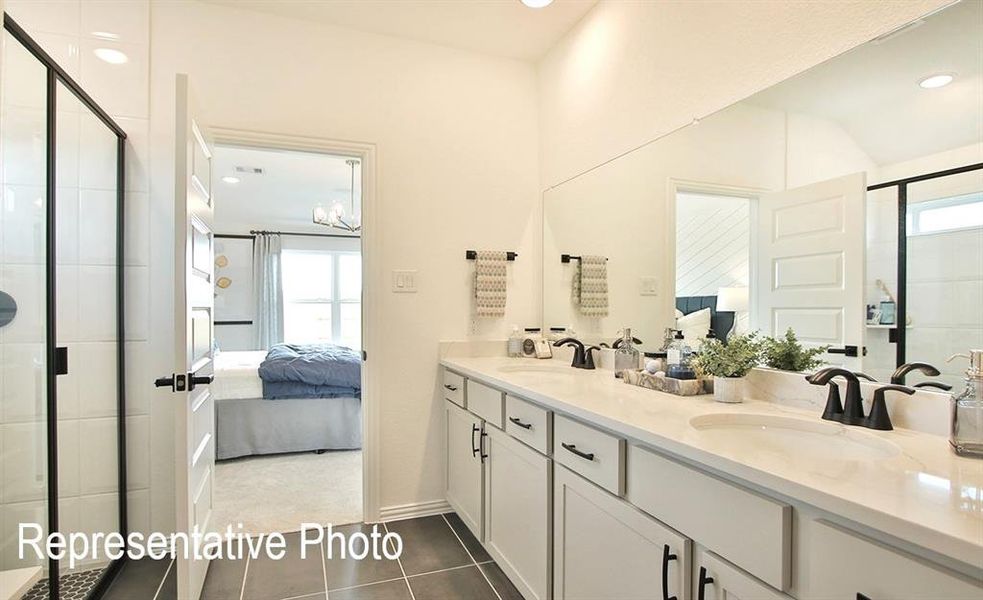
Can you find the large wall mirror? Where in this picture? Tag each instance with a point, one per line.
(845, 203)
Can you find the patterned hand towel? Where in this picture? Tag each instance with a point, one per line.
(590, 286)
(490, 283)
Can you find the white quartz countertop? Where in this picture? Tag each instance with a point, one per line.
(925, 495)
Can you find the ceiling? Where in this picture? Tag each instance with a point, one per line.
(283, 197)
(504, 28)
(873, 93)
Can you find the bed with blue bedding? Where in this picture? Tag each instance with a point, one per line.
(294, 398)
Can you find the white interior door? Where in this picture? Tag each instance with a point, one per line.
(193, 309)
(811, 266)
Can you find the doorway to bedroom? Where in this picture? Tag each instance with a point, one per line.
(288, 335)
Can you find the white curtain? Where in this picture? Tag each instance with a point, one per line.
(268, 290)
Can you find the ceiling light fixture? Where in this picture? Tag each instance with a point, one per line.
(335, 217)
(936, 81)
(230, 179)
(537, 3)
(111, 55)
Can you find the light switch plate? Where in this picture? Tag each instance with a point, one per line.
(404, 282)
(649, 286)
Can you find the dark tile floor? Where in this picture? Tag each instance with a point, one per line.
(441, 560)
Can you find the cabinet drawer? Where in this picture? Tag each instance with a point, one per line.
(454, 388)
(528, 423)
(750, 530)
(485, 402)
(716, 579)
(843, 564)
(596, 455)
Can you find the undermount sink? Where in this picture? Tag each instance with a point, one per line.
(790, 437)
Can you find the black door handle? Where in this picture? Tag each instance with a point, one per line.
(519, 422)
(164, 382)
(199, 380)
(474, 448)
(704, 580)
(666, 557)
(573, 448)
(852, 351)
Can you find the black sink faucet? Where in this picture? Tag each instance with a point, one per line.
(852, 411)
(582, 357)
(924, 368)
(878, 417)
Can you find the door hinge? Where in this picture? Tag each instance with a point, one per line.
(365, 356)
(61, 360)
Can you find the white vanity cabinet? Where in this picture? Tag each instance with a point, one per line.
(517, 511)
(465, 468)
(605, 548)
(717, 579)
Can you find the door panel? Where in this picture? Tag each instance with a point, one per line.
(811, 264)
(517, 512)
(465, 471)
(193, 311)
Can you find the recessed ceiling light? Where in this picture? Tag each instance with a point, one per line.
(230, 179)
(936, 81)
(111, 55)
(537, 3)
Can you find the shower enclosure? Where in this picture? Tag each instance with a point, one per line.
(62, 425)
(924, 249)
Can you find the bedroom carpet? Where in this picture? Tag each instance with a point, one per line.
(279, 492)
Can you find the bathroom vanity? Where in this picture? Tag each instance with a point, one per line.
(582, 487)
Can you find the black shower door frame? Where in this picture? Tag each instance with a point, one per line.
(56, 358)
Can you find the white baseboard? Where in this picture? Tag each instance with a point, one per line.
(411, 511)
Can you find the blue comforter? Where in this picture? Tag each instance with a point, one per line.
(311, 371)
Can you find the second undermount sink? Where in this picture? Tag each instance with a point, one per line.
(790, 437)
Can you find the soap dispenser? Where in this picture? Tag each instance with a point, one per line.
(626, 356)
(966, 427)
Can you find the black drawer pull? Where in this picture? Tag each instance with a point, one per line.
(704, 580)
(666, 557)
(475, 449)
(519, 422)
(573, 448)
(450, 387)
(481, 445)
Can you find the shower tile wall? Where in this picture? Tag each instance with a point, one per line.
(71, 31)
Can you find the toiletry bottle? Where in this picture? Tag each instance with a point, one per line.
(680, 356)
(626, 356)
(966, 425)
(515, 343)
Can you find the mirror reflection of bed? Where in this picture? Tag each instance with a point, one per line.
(288, 333)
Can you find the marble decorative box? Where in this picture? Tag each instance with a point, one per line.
(661, 383)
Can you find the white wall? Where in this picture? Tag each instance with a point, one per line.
(633, 71)
(457, 142)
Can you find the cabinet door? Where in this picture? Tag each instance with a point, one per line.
(607, 548)
(517, 486)
(464, 465)
(717, 579)
(846, 566)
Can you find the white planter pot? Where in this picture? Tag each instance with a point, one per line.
(728, 389)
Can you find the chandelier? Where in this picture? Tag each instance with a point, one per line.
(335, 216)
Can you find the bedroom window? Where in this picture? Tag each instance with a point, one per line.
(322, 297)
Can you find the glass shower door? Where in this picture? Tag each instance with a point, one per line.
(24, 432)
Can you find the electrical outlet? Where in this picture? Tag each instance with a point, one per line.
(404, 282)
(649, 286)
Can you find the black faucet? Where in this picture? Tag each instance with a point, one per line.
(934, 384)
(850, 413)
(924, 368)
(878, 417)
(583, 358)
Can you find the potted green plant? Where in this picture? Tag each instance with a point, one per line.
(729, 364)
(787, 354)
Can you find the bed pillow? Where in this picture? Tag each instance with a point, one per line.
(695, 326)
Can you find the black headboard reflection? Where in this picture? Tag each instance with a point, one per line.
(721, 322)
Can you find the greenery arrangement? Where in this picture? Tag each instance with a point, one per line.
(787, 354)
(741, 354)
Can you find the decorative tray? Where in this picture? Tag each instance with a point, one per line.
(661, 383)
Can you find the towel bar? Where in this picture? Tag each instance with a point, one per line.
(565, 258)
(473, 254)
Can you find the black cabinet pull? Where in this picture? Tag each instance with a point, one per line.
(519, 422)
(704, 580)
(481, 444)
(474, 448)
(573, 448)
(450, 387)
(666, 557)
